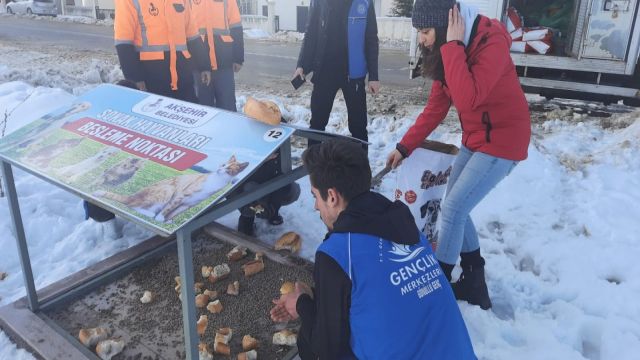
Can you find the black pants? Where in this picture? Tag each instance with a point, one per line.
(96, 213)
(355, 96)
(274, 201)
(221, 92)
(157, 78)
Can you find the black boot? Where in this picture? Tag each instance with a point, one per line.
(246, 226)
(446, 269)
(471, 286)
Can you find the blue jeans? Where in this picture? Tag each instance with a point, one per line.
(473, 176)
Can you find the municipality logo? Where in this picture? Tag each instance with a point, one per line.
(405, 253)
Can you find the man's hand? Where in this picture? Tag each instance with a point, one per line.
(279, 312)
(141, 86)
(455, 31)
(237, 67)
(285, 307)
(205, 77)
(374, 87)
(299, 72)
(394, 159)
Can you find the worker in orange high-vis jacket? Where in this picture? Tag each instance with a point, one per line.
(220, 26)
(156, 41)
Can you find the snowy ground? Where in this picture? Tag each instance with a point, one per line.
(559, 234)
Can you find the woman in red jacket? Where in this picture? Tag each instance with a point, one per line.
(467, 57)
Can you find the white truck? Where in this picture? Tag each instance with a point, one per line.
(594, 47)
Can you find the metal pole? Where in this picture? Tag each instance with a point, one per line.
(285, 156)
(185, 261)
(21, 240)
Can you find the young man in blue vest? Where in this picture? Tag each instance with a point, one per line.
(340, 47)
(379, 291)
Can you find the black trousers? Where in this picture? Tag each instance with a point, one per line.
(221, 92)
(355, 96)
(157, 78)
(274, 201)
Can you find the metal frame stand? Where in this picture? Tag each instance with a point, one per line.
(185, 252)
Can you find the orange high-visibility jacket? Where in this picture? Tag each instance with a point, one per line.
(154, 27)
(220, 25)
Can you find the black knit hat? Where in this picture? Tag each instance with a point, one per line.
(431, 13)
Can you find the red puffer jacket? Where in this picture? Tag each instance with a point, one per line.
(481, 82)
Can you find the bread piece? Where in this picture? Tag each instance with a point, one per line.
(237, 253)
(264, 111)
(212, 294)
(202, 300)
(147, 297)
(197, 287)
(219, 272)
(106, 349)
(253, 267)
(215, 307)
(90, 337)
(203, 352)
(289, 241)
(285, 337)
(287, 287)
(223, 335)
(221, 348)
(249, 343)
(249, 355)
(233, 288)
(202, 324)
(206, 271)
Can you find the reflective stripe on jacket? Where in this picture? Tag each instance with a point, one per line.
(220, 25)
(155, 26)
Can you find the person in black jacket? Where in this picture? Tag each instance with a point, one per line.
(340, 47)
(379, 290)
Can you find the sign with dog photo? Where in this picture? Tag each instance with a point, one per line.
(421, 183)
(152, 159)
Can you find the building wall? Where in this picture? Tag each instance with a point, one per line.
(286, 10)
(385, 8)
(394, 28)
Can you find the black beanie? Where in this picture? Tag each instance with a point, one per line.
(431, 13)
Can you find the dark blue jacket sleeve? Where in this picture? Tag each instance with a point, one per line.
(371, 43)
(238, 44)
(325, 319)
(199, 54)
(130, 62)
(309, 43)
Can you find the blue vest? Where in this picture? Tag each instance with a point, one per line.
(356, 29)
(401, 304)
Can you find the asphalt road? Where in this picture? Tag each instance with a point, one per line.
(265, 60)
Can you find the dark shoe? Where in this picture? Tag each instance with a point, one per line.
(446, 269)
(276, 220)
(264, 210)
(246, 225)
(471, 286)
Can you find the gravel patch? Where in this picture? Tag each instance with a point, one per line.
(154, 330)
